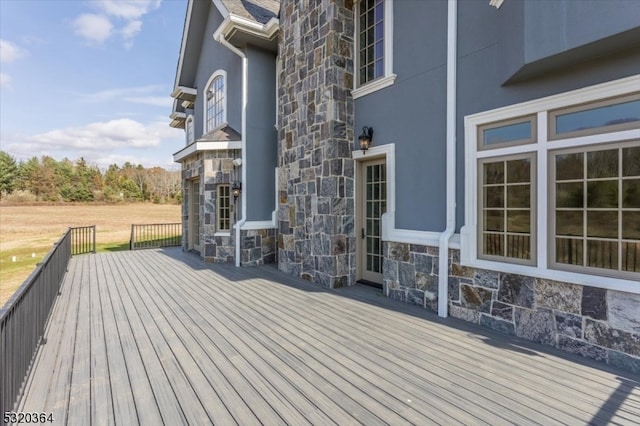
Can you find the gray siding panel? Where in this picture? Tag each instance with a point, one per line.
(214, 56)
(261, 155)
(493, 45)
(412, 114)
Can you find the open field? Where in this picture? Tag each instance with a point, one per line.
(28, 232)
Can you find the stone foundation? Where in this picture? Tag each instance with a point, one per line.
(258, 247)
(600, 324)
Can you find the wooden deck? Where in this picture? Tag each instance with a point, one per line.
(157, 337)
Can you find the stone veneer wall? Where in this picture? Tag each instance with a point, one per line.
(213, 168)
(258, 247)
(596, 323)
(316, 171)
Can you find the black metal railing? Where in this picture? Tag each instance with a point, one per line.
(155, 235)
(23, 319)
(83, 240)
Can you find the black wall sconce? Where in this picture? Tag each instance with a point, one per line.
(366, 138)
(236, 189)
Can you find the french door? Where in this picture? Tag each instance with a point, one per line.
(372, 203)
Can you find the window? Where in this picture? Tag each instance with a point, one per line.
(596, 203)
(223, 205)
(374, 41)
(505, 214)
(215, 101)
(553, 187)
(189, 134)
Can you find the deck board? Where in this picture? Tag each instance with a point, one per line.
(158, 337)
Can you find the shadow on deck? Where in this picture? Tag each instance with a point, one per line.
(158, 337)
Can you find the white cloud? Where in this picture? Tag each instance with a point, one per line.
(9, 52)
(159, 101)
(128, 9)
(5, 80)
(130, 31)
(95, 28)
(99, 27)
(139, 95)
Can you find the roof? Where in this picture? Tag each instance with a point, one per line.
(223, 134)
(260, 11)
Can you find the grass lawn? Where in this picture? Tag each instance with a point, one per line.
(28, 232)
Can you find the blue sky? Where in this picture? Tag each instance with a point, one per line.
(90, 78)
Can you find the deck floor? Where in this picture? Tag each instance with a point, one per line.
(157, 337)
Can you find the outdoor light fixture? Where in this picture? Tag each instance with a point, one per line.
(365, 138)
(236, 189)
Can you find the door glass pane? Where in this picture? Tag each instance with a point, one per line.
(631, 193)
(569, 251)
(570, 194)
(631, 161)
(602, 194)
(569, 223)
(603, 224)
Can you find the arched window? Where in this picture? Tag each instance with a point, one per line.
(188, 128)
(215, 101)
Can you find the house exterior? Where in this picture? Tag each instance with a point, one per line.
(228, 51)
(504, 135)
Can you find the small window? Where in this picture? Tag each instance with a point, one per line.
(371, 40)
(596, 208)
(605, 116)
(215, 107)
(506, 213)
(189, 130)
(517, 131)
(224, 207)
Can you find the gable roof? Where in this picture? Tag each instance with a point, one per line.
(260, 11)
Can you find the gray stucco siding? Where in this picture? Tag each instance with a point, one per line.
(412, 114)
(261, 141)
(214, 56)
(481, 61)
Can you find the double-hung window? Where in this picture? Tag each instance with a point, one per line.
(553, 187)
(215, 101)
(223, 208)
(374, 46)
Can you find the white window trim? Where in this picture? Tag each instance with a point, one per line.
(219, 209)
(389, 77)
(189, 122)
(217, 73)
(389, 230)
(468, 252)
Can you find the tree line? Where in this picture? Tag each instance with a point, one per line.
(46, 179)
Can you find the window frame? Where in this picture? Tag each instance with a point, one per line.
(532, 210)
(219, 208)
(553, 115)
(388, 77)
(189, 130)
(552, 209)
(541, 149)
(529, 118)
(211, 125)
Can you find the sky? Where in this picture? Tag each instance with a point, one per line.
(91, 79)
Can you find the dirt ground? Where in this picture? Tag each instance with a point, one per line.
(28, 232)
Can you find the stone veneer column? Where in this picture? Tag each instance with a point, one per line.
(316, 186)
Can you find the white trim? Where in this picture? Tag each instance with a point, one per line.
(257, 224)
(221, 8)
(373, 86)
(205, 99)
(183, 44)
(541, 107)
(219, 37)
(389, 77)
(222, 234)
(205, 146)
(183, 90)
